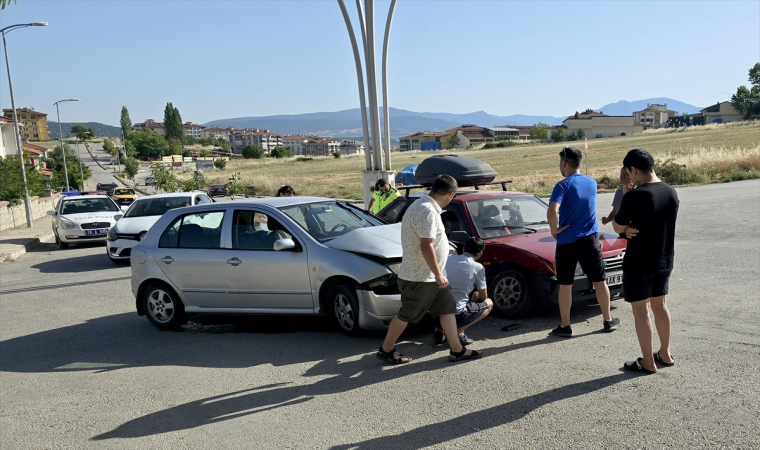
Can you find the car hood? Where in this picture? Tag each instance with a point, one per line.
(135, 225)
(542, 243)
(91, 217)
(383, 241)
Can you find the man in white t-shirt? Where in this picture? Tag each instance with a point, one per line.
(422, 278)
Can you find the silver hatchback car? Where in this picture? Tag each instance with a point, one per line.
(281, 255)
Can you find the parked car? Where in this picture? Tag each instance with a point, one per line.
(519, 255)
(124, 195)
(66, 191)
(108, 187)
(277, 255)
(217, 189)
(250, 191)
(150, 181)
(138, 219)
(83, 218)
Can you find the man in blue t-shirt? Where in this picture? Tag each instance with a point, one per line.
(572, 219)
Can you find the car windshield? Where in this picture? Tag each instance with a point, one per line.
(327, 220)
(502, 216)
(124, 192)
(156, 206)
(87, 205)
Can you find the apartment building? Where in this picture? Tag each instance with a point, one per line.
(321, 147)
(217, 133)
(351, 148)
(263, 138)
(296, 143)
(421, 140)
(33, 125)
(193, 129)
(597, 125)
(150, 124)
(654, 115)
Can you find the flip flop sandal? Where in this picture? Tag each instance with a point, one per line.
(659, 360)
(389, 358)
(460, 356)
(635, 366)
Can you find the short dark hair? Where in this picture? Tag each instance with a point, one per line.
(572, 156)
(640, 159)
(287, 190)
(382, 182)
(444, 185)
(474, 246)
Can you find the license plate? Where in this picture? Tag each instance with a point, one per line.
(103, 231)
(614, 280)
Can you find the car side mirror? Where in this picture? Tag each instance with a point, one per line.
(118, 216)
(51, 212)
(124, 208)
(459, 236)
(284, 244)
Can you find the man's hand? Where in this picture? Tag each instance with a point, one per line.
(631, 232)
(605, 221)
(442, 281)
(556, 231)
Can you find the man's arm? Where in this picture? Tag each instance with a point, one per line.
(621, 223)
(552, 216)
(479, 295)
(371, 202)
(428, 252)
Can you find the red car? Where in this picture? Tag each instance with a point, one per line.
(519, 255)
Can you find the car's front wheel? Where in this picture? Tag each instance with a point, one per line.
(62, 245)
(162, 306)
(345, 308)
(509, 292)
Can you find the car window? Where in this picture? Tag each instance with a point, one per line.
(155, 206)
(123, 192)
(453, 220)
(87, 205)
(199, 230)
(202, 200)
(253, 230)
(502, 216)
(395, 211)
(327, 220)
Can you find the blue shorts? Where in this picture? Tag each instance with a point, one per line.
(471, 313)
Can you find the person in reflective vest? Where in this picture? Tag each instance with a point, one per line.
(383, 196)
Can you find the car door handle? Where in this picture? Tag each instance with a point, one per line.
(234, 261)
(167, 259)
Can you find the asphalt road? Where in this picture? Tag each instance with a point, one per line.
(79, 369)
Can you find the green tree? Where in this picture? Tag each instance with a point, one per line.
(580, 134)
(12, 187)
(108, 146)
(204, 152)
(82, 132)
(164, 178)
(453, 140)
(233, 185)
(747, 100)
(220, 163)
(175, 148)
(223, 144)
(175, 130)
(253, 152)
(538, 131)
(281, 152)
(55, 163)
(126, 123)
(336, 154)
(196, 183)
(131, 167)
(558, 135)
(148, 143)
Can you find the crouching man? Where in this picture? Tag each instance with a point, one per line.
(465, 276)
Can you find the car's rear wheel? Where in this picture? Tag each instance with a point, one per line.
(163, 307)
(62, 245)
(345, 309)
(509, 292)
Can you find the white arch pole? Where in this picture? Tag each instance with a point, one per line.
(386, 117)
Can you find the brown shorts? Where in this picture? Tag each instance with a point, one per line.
(420, 297)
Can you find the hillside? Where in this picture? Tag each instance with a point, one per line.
(100, 129)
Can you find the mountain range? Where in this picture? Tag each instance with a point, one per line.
(347, 123)
(100, 129)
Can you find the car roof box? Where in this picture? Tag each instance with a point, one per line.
(467, 171)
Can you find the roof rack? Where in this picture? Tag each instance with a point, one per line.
(477, 187)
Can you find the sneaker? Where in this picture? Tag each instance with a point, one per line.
(611, 325)
(561, 331)
(439, 337)
(464, 340)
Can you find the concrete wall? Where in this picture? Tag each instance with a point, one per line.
(15, 216)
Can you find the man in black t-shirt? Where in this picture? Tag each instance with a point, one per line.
(647, 216)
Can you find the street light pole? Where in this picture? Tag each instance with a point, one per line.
(60, 131)
(19, 148)
(81, 172)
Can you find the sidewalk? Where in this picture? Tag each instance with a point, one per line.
(17, 241)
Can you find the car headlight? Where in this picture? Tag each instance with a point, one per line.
(578, 269)
(112, 235)
(66, 225)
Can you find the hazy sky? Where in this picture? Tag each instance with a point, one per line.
(222, 59)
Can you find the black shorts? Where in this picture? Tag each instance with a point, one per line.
(471, 313)
(643, 286)
(418, 298)
(588, 252)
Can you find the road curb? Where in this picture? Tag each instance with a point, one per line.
(18, 250)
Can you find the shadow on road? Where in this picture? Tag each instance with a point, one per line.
(76, 264)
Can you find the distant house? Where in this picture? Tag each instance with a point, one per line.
(32, 124)
(296, 143)
(687, 120)
(721, 112)
(421, 140)
(7, 138)
(321, 147)
(654, 115)
(351, 148)
(35, 152)
(216, 133)
(504, 133)
(193, 129)
(596, 125)
(262, 138)
(467, 134)
(523, 131)
(150, 124)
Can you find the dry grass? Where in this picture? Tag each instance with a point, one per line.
(532, 168)
(710, 126)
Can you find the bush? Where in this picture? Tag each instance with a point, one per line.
(220, 163)
(253, 152)
(673, 173)
(336, 155)
(281, 152)
(558, 135)
(605, 182)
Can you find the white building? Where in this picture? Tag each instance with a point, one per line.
(7, 138)
(263, 138)
(217, 133)
(654, 115)
(351, 148)
(193, 129)
(150, 124)
(598, 125)
(321, 147)
(296, 143)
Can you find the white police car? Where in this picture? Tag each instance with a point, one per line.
(83, 218)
